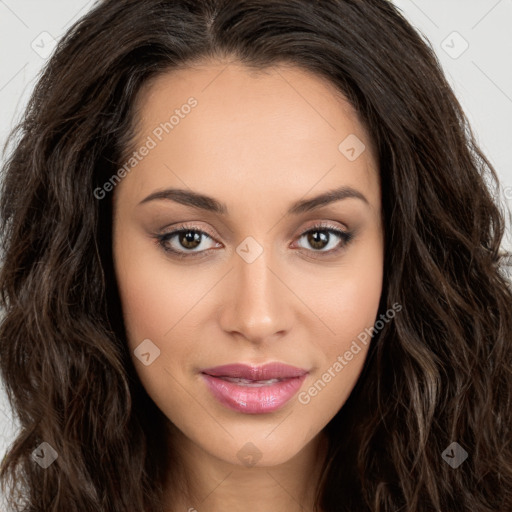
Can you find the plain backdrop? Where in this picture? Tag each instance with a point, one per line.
(472, 38)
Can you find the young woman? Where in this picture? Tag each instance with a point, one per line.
(251, 261)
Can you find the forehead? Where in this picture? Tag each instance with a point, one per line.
(263, 127)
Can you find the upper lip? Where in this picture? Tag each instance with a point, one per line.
(264, 372)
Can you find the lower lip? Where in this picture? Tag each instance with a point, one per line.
(253, 400)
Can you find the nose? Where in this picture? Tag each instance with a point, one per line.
(256, 301)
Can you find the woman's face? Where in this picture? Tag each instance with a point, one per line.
(245, 283)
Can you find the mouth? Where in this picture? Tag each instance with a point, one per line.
(250, 383)
(254, 390)
(267, 371)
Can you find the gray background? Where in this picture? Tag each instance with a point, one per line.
(472, 39)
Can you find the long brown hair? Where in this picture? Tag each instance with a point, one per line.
(440, 372)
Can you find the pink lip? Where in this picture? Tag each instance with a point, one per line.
(251, 399)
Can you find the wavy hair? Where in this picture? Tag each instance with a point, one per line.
(440, 372)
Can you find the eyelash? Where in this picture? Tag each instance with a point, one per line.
(163, 239)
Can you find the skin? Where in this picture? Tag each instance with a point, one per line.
(257, 142)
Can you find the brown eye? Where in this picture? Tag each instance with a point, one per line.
(189, 239)
(184, 241)
(320, 237)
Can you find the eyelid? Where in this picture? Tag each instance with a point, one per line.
(324, 224)
(328, 226)
(175, 230)
(185, 226)
(195, 227)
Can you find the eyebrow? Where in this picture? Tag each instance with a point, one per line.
(203, 202)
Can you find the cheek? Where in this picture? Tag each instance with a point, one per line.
(161, 301)
(350, 315)
(152, 310)
(154, 293)
(348, 305)
(146, 306)
(348, 299)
